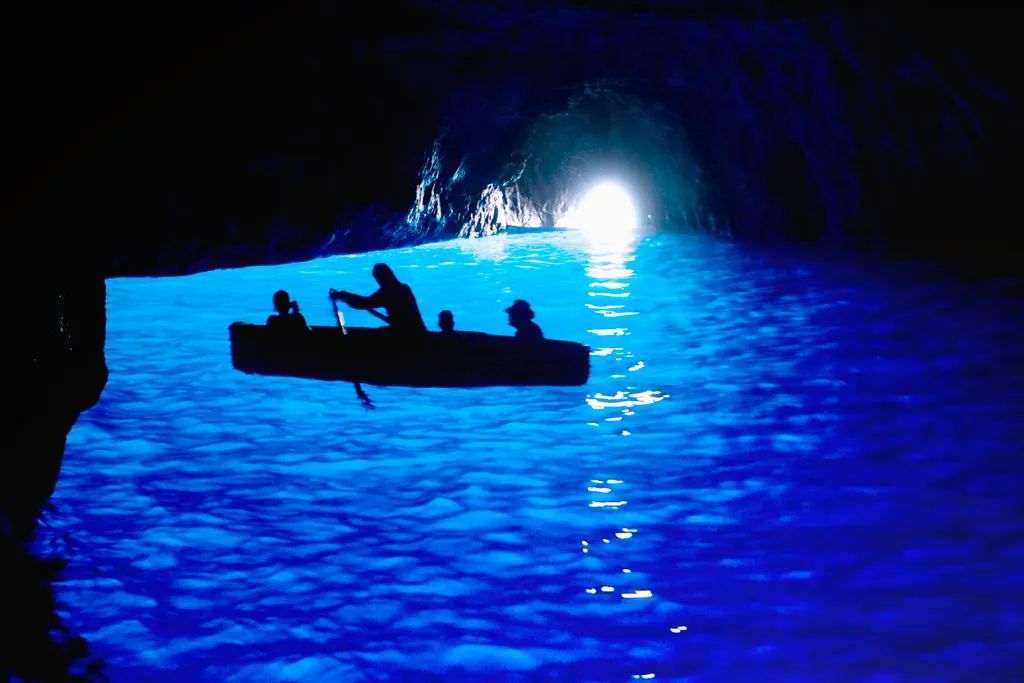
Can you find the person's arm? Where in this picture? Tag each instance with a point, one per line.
(375, 300)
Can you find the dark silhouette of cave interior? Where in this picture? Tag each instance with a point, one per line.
(169, 139)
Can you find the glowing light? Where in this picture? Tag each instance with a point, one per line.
(605, 212)
(637, 594)
(641, 398)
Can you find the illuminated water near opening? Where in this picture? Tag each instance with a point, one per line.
(606, 214)
(781, 470)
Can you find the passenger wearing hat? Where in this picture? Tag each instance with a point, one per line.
(520, 316)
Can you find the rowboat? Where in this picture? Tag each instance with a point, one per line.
(378, 356)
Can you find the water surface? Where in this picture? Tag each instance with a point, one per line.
(784, 468)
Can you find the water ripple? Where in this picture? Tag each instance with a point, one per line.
(784, 468)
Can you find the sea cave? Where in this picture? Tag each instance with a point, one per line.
(783, 231)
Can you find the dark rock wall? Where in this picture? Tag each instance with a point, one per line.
(56, 370)
(273, 132)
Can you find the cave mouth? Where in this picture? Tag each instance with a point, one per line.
(605, 212)
(540, 169)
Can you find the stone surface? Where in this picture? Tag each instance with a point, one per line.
(266, 133)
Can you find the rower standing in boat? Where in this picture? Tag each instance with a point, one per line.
(288, 317)
(403, 313)
(520, 316)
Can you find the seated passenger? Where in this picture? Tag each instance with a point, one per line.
(288, 316)
(397, 299)
(520, 316)
(446, 321)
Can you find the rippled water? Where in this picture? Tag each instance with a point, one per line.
(783, 469)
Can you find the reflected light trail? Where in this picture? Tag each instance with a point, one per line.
(620, 400)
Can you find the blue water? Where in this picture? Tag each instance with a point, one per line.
(784, 468)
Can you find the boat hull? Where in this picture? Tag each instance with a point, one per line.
(376, 356)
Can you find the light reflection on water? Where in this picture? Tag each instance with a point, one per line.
(788, 458)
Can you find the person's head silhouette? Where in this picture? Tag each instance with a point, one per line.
(519, 313)
(384, 276)
(281, 302)
(446, 321)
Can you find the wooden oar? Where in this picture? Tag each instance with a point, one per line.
(363, 398)
(371, 311)
(374, 311)
(338, 316)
